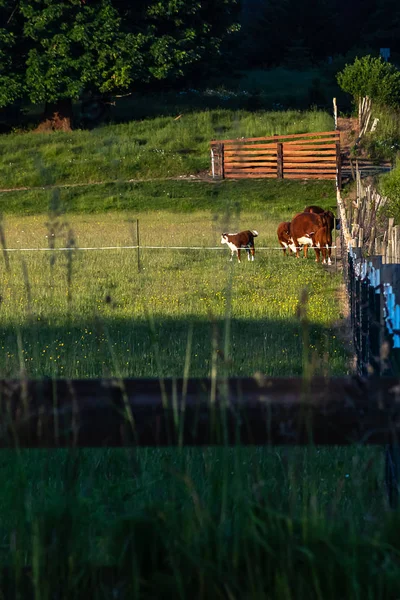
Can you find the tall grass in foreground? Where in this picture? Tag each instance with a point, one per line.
(196, 523)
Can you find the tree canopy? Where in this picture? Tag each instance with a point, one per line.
(52, 50)
(373, 77)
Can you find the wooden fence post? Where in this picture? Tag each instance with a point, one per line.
(138, 245)
(217, 161)
(390, 241)
(338, 167)
(279, 160)
(335, 112)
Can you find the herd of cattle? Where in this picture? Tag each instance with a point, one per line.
(312, 227)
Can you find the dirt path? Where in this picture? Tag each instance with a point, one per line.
(203, 176)
(349, 131)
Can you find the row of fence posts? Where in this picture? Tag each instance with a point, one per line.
(371, 262)
(381, 239)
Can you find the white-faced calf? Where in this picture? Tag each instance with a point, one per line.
(236, 241)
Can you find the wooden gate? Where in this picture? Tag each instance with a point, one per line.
(296, 156)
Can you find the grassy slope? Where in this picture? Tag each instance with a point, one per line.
(159, 147)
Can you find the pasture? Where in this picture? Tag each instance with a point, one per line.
(89, 313)
(185, 312)
(198, 523)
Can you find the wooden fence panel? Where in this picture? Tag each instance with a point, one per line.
(196, 412)
(294, 156)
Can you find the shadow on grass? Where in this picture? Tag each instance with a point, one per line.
(271, 196)
(111, 346)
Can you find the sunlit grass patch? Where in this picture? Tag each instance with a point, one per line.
(88, 313)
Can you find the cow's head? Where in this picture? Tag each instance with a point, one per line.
(328, 219)
(224, 238)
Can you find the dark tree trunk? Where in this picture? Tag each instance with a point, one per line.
(57, 116)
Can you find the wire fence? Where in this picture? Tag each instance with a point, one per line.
(72, 249)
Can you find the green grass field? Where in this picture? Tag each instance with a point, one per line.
(190, 523)
(157, 147)
(218, 514)
(111, 319)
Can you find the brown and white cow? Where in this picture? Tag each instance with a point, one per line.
(236, 241)
(283, 233)
(310, 229)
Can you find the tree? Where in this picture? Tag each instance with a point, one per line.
(182, 36)
(373, 77)
(55, 51)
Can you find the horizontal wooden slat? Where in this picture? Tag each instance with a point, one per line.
(250, 157)
(323, 140)
(241, 161)
(250, 147)
(308, 143)
(261, 151)
(260, 171)
(311, 165)
(278, 138)
(240, 164)
(317, 144)
(310, 147)
(322, 153)
(237, 166)
(249, 175)
(308, 160)
(307, 172)
(240, 158)
(309, 176)
(253, 170)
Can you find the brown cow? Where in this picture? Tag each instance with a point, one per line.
(314, 209)
(329, 214)
(283, 233)
(329, 218)
(243, 239)
(310, 229)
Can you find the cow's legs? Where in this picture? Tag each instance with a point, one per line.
(305, 250)
(238, 254)
(318, 254)
(251, 251)
(326, 253)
